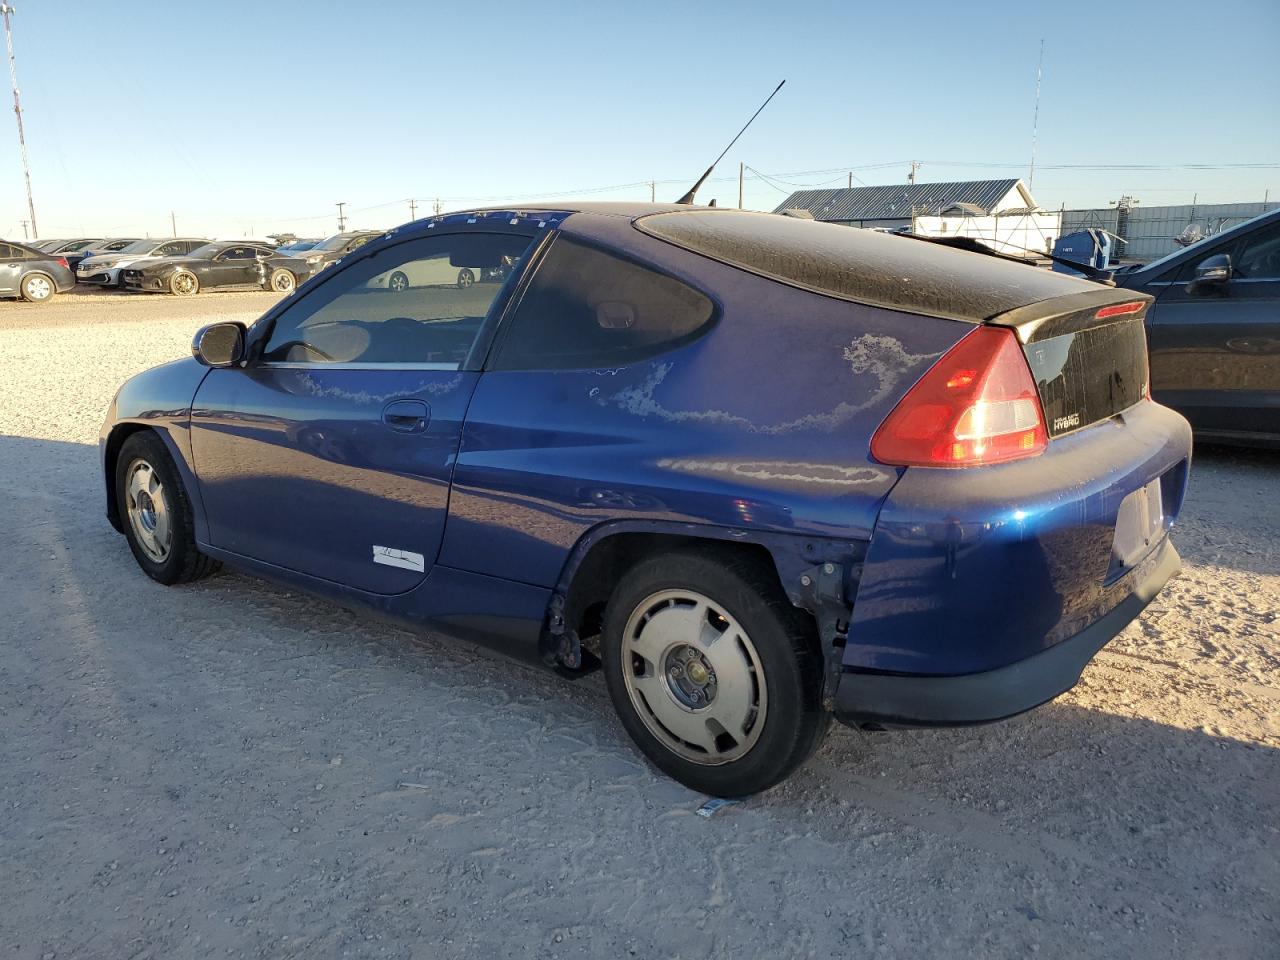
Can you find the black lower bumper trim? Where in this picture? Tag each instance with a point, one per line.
(912, 701)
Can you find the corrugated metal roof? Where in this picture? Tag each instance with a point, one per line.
(897, 201)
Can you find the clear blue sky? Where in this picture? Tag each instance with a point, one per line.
(250, 117)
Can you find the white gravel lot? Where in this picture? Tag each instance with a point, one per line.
(231, 769)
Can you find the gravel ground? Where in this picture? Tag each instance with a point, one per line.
(230, 769)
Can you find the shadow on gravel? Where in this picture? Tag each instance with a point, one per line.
(1232, 513)
(1060, 787)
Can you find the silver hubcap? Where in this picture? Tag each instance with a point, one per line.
(148, 510)
(465, 279)
(694, 677)
(38, 288)
(399, 281)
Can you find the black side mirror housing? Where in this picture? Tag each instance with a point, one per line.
(1211, 274)
(219, 344)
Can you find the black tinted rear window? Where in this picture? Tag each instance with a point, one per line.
(588, 308)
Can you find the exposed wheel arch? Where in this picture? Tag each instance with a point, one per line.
(111, 454)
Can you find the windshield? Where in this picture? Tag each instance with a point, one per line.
(206, 252)
(336, 242)
(140, 246)
(298, 245)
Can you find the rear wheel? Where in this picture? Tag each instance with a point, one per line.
(184, 283)
(713, 673)
(465, 277)
(282, 281)
(156, 512)
(398, 281)
(36, 288)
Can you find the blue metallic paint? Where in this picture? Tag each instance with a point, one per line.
(974, 569)
(516, 474)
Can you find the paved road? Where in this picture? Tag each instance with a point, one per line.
(229, 769)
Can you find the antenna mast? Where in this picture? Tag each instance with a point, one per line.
(688, 197)
(5, 10)
(1035, 120)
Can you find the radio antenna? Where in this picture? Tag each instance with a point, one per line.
(688, 197)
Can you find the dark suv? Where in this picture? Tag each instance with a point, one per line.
(1214, 332)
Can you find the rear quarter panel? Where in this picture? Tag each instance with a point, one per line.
(762, 424)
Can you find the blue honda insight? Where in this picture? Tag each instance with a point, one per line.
(763, 471)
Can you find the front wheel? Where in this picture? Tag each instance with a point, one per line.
(37, 288)
(715, 676)
(282, 281)
(184, 283)
(466, 278)
(156, 512)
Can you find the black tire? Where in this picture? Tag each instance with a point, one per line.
(281, 281)
(184, 283)
(398, 281)
(787, 647)
(184, 562)
(466, 278)
(38, 288)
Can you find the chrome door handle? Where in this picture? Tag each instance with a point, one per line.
(407, 416)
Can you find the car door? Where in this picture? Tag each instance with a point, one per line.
(11, 263)
(232, 267)
(1215, 348)
(331, 451)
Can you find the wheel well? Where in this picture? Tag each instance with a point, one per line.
(115, 440)
(608, 560)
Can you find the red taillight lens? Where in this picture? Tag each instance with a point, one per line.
(63, 261)
(976, 405)
(1119, 310)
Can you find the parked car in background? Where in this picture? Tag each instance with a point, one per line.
(101, 246)
(218, 265)
(68, 247)
(32, 274)
(329, 251)
(298, 245)
(1214, 331)
(104, 269)
(762, 470)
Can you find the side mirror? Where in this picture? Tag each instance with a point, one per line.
(219, 344)
(1211, 274)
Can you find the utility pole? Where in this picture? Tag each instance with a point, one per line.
(24, 229)
(342, 218)
(173, 222)
(911, 177)
(1035, 120)
(740, 169)
(850, 179)
(413, 209)
(5, 10)
(437, 206)
(653, 191)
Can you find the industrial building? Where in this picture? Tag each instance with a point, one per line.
(1001, 213)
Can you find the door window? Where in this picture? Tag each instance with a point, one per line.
(10, 253)
(1260, 257)
(587, 308)
(237, 253)
(420, 302)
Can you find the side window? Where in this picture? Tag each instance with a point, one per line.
(238, 253)
(423, 301)
(586, 308)
(358, 242)
(168, 250)
(1260, 257)
(10, 253)
(189, 245)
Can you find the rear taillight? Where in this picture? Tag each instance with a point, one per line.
(976, 405)
(63, 262)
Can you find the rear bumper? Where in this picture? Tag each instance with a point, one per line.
(904, 700)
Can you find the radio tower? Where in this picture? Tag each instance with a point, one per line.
(6, 9)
